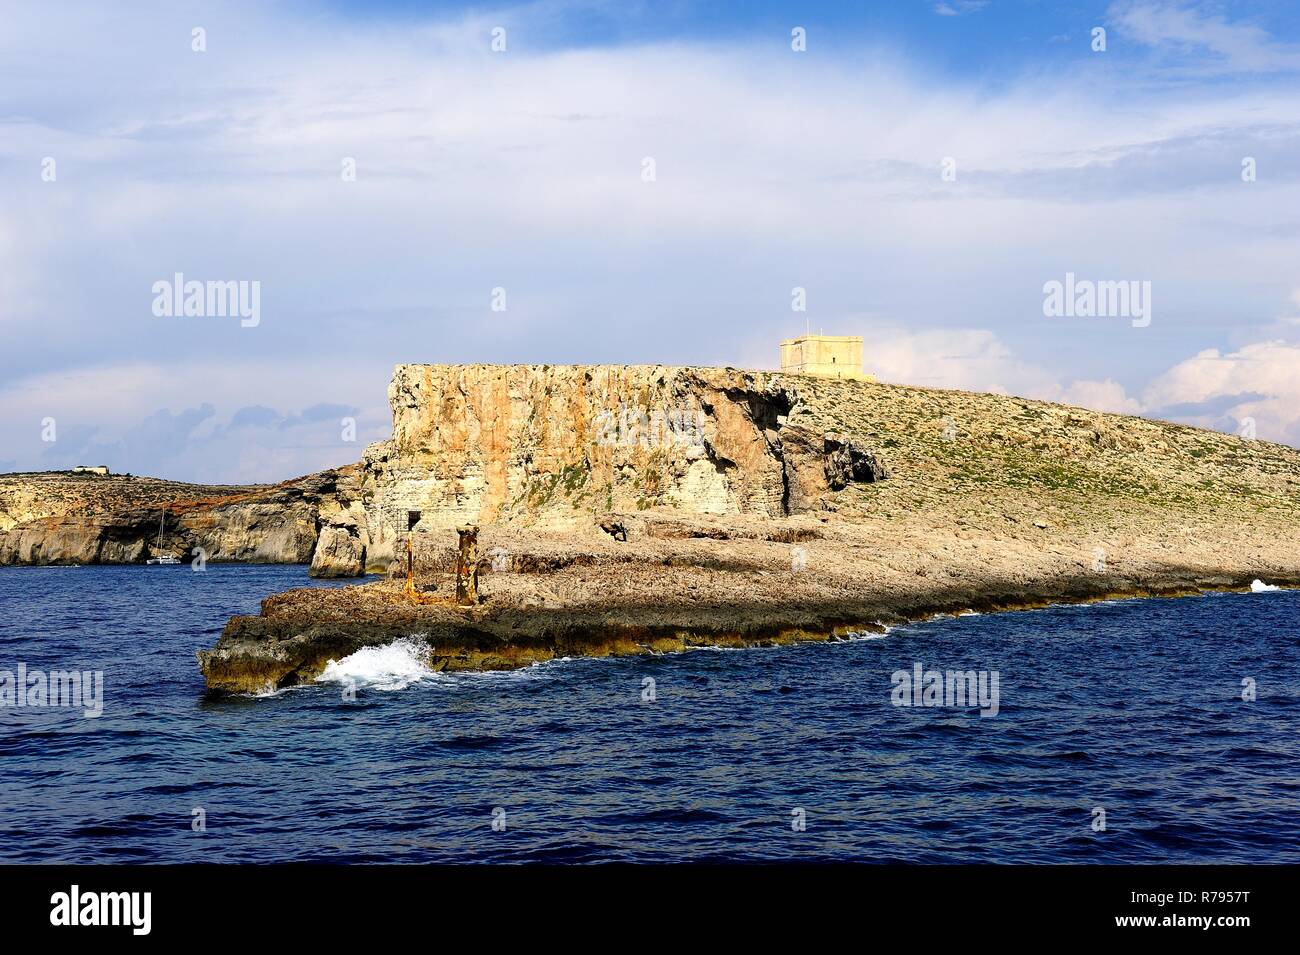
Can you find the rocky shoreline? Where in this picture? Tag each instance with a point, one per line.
(556, 597)
(261, 654)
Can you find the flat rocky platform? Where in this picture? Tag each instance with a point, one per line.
(563, 596)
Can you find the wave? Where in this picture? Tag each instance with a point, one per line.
(394, 666)
(1259, 587)
(856, 635)
(532, 671)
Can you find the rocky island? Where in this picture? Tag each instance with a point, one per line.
(640, 509)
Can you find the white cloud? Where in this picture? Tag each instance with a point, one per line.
(1107, 395)
(523, 170)
(1195, 29)
(957, 8)
(968, 359)
(1212, 389)
(1260, 381)
(977, 360)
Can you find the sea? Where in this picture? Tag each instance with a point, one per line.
(1131, 731)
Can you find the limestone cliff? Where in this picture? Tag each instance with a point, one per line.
(64, 518)
(558, 446)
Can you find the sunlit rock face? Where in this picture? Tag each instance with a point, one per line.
(60, 517)
(557, 446)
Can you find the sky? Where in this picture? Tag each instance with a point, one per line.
(632, 183)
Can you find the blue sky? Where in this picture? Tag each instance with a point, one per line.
(965, 37)
(524, 170)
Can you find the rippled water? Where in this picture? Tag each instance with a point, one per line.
(1132, 706)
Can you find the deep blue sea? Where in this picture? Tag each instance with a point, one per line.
(786, 754)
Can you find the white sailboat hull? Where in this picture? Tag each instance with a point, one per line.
(162, 558)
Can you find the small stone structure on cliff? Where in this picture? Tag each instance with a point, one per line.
(834, 356)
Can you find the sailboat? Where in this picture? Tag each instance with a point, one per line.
(162, 558)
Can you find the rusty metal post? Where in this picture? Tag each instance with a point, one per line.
(410, 568)
(467, 566)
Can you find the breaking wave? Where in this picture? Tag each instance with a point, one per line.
(392, 667)
(1259, 587)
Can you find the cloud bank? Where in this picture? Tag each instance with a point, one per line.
(526, 171)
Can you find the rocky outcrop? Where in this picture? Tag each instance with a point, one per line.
(648, 508)
(558, 446)
(343, 539)
(59, 518)
(846, 463)
(34, 496)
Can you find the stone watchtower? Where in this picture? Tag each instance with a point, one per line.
(835, 356)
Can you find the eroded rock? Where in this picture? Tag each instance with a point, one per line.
(558, 446)
(846, 463)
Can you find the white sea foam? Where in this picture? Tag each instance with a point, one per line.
(867, 634)
(1259, 587)
(533, 671)
(392, 667)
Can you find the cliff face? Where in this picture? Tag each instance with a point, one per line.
(558, 446)
(567, 448)
(916, 477)
(31, 497)
(62, 518)
(550, 447)
(693, 453)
